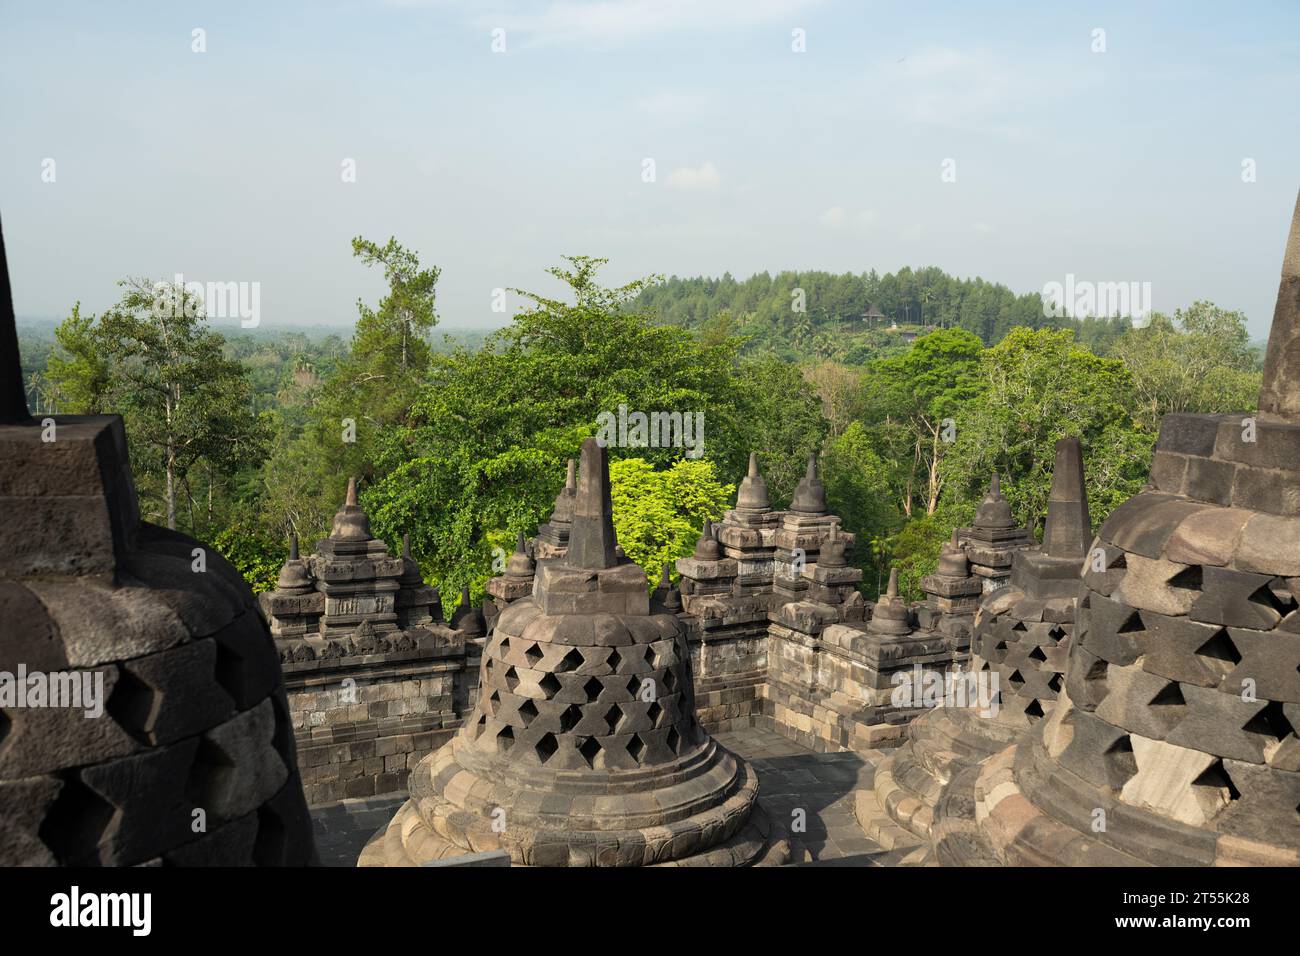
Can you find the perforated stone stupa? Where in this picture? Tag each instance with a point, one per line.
(192, 723)
(1173, 740)
(584, 748)
(1022, 634)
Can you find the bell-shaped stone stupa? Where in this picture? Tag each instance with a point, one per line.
(584, 748)
(1173, 739)
(160, 691)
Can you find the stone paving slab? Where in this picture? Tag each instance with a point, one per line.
(791, 778)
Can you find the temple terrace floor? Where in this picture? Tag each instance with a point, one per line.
(791, 778)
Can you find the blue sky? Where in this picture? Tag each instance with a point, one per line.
(1123, 165)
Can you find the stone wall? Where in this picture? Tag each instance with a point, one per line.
(361, 729)
(730, 679)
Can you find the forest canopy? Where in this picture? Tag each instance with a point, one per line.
(913, 387)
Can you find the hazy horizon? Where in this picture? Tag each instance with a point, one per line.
(227, 165)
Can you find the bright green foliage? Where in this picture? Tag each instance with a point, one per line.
(255, 555)
(484, 455)
(914, 550)
(77, 369)
(658, 514)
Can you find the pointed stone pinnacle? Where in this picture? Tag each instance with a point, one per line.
(570, 476)
(406, 545)
(665, 579)
(706, 548)
(1067, 533)
(293, 546)
(752, 495)
(592, 541)
(810, 494)
(521, 545)
(351, 522)
(1279, 393)
(956, 541)
(995, 486)
(13, 394)
(893, 583)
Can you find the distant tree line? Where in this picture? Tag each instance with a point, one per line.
(848, 317)
(462, 444)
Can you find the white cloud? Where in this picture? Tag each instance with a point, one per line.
(588, 21)
(704, 177)
(834, 216)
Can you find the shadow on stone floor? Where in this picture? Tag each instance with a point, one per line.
(811, 794)
(819, 786)
(343, 828)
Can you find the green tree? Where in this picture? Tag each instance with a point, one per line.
(77, 368)
(187, 407)
(914, 400)
(356, 407)
(1034, 388)
(1200, 360)
(658, 514)
(780, 418)
(858, 489)
(484, 453)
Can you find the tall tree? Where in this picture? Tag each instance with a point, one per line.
(153, 358)
(1198, 360)
(916, 397)
(1034, 388)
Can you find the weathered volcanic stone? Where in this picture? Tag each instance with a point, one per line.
(193, 723)
(584, 748)
(1178, 716)
(1020, 644)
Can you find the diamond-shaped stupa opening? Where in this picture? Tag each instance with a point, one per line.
(613, 716)
(570, 662)
(570, 718)
(546, 747)
(527, 712)
(590, 749)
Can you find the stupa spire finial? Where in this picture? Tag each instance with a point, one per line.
(1279, 393)
(592, 540)
(1067, 533)
(13, 396)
